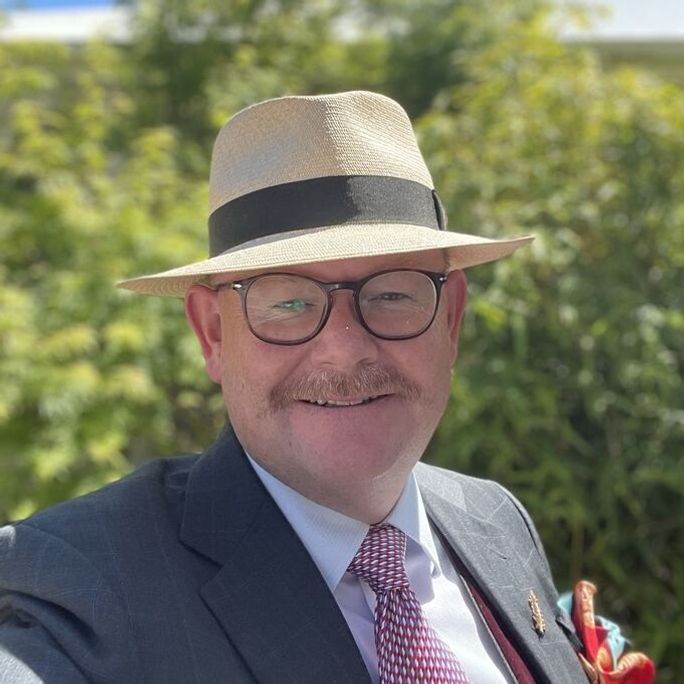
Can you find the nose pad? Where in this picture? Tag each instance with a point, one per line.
(343, 303)
(343, 342)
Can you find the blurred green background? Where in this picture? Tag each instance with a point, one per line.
(568, 389)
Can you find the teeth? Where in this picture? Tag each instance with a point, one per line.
(332, 402)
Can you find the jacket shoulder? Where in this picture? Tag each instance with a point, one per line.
(487, 500)
(59, 579)
(119, 504)
(476, 494)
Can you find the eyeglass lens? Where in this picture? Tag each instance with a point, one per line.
(288, 308)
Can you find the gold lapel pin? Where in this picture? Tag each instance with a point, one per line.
(537, 616)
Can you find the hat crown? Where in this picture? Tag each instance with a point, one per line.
(298, 138)
(312, 179)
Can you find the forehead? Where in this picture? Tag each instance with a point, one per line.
(353, 269)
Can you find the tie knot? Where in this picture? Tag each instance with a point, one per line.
(380, 559)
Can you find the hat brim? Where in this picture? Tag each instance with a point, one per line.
(329, 243)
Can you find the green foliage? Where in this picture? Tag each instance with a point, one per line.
(430, 44)
(568, 387)
(569, 383)
(92, 379)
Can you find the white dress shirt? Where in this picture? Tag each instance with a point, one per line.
(332, 539)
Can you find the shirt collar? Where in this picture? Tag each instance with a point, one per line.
(332, 538)
(410, 517)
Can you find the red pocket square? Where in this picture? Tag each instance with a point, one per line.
(603, 657)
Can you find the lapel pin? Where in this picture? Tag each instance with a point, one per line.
(537, 616)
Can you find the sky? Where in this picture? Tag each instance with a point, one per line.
(627, 18)
(52, 4)
(640, 18)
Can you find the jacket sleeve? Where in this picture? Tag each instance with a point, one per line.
(60, 623)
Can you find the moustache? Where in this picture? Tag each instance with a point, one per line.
(369, 381)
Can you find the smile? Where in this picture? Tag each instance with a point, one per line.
(333, 403)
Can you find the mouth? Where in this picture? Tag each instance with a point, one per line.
(343, 403)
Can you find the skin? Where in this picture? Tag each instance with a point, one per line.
(352, 459)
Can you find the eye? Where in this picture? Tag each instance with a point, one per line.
(293, 305)
(389, 297)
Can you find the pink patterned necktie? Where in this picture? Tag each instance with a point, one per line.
(409, 650)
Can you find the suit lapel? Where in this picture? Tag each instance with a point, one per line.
(505, 581)
(268, 594)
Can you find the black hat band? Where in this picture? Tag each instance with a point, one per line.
(328, 201)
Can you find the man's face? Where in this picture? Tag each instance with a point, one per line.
(273, 392)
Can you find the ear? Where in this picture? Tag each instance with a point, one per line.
(455, 293)
(202, 312)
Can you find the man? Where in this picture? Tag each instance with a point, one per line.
(306, 544)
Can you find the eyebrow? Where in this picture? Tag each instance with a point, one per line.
(409, 258)
(406, 259)
(400, 261)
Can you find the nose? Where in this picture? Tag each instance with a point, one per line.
(343, 343)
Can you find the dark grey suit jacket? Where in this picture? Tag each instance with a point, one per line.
(187, 572)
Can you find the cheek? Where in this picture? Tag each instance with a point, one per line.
(250, 370)
(428, 358)
(240, 366)
(242, 379)
(428, 362)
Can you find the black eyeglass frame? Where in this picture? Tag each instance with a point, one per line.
(242, 288)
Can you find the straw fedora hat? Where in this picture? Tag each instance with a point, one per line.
(296, 180)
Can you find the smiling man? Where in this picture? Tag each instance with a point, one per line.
(336, 393)
(307, 544)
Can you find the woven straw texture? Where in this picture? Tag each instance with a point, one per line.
(298, 138)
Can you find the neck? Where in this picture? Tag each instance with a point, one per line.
(367, 501)
(370, 503)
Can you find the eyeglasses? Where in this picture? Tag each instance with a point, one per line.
(284, 308)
